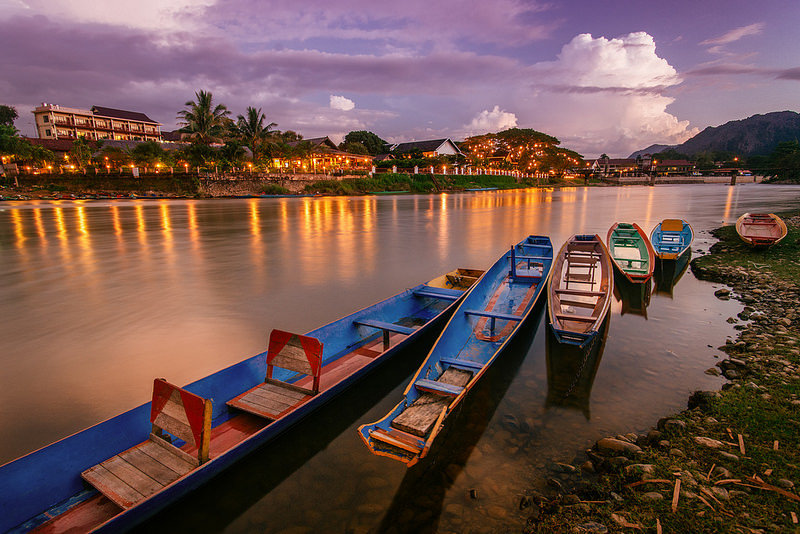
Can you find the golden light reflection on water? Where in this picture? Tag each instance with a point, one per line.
(728, 204)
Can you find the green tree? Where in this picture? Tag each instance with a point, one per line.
(231, 155)
(148, 154)
(253, 129)
(785, 161)
(202, 121)
(374, 144)
(8, 114)
(81, 153)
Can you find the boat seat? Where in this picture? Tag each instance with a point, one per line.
(494, 315)
(386, 328)
(398, 438)
(274, 398)
(462, 364)
(439, 293)
(672, 225)
(135, 474)
(572, 317)
(432, 386)
(580, 292)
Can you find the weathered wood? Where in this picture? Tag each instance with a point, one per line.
(177, 428)
(455, 377)
(151, 467)
(418, 419)
(117, 491)
(270, 401)
(293, 357)
(397, 438)
(169, 456)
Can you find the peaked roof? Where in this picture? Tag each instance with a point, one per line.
(424, 146)
(122, 114)
(316, 142)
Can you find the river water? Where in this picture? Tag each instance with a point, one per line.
(99, 297)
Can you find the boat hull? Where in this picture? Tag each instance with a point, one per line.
(760, 230)
(497, 307)
(672, 239)
(631, 251)
(47, 483)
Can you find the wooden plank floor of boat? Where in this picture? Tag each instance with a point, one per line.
(419, 418)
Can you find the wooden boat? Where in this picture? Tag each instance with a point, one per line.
(671, 239)
(631, 251)
(117, 473)
(489, 317)
(580, 291)
(760, 229)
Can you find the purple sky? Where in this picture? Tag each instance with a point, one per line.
(612, 76)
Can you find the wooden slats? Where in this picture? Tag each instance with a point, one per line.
(571, 317)
(433, 386)
(419, 418)
(397, 439)
(581, 292)
(268, 400)
(293, 357)
(174, 458)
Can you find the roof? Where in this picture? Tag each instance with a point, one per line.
(617, 161)
(122, 114)
(316, 142)
(432, 145)
(675, 163)
(55, 145)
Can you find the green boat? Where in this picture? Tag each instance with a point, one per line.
(631, 251)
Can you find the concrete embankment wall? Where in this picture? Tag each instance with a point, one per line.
(645, 180)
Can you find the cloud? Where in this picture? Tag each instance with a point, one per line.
(341, 103)
(605, 95)
(735, 34)
(491, 121)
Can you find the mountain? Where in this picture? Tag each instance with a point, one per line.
(652, 149)
(756, 135)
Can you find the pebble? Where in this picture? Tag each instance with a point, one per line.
(785, 484)
(591, 527)
(729, 456)
(708, 442)
(652, 496)
(608, 446)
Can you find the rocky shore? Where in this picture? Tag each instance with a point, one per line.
(730, 462)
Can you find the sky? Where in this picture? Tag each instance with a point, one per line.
(611, 76)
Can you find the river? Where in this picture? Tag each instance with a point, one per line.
(99, 297)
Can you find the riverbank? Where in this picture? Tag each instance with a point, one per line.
(730, 462)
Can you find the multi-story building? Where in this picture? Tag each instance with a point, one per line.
(59, 122)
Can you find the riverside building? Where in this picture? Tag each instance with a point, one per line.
(59, 122)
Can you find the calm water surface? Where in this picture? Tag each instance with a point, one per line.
(98, 298)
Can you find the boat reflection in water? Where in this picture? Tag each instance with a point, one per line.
(635, 297)
(669, 272)
(417, 504)
(571, 371)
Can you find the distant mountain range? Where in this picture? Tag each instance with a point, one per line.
(756, 135)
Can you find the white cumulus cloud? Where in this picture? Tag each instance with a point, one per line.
(341, 103)
(606, 95)
(492, 121)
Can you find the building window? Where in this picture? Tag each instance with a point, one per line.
(48, 132)
(46, 118)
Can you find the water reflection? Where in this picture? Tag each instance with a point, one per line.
(114, 293)
(634, 297)
(571, 371)
(668, 272)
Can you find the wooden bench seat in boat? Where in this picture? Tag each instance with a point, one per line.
(135, 474)
(462, 364)
(572, 317)
(419, 418)
(579, 292)
(274, 398)
(439, 293)
(387, 329)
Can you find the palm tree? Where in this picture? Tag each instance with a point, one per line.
(252, 127)
(202, 121)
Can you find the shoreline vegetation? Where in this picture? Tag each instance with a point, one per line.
(730, 462)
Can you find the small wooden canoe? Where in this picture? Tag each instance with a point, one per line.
(580, 290)
(671, 239)
(488, 318)
(135, 473)
(760, 229)
(631, 251)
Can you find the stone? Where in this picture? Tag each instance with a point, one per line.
(731, 374)
(571, 499)
(785, 483)
(720, 493)
(723, 294)
(643, 470)
(616, 496)
(591, 527)
(652, 496)
(677, 453)
(587, 467)
(728, 456)
(674, 426)
(713, 371)
(708, 442)
(609, 446)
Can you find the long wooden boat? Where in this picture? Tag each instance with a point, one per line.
(580, 291)
(631, 251)
(760, 229)
(113, 475)
(489, 317)
(671, 239)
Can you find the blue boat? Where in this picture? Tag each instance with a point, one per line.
(671, 239)
(489, 317)
(114, 475)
